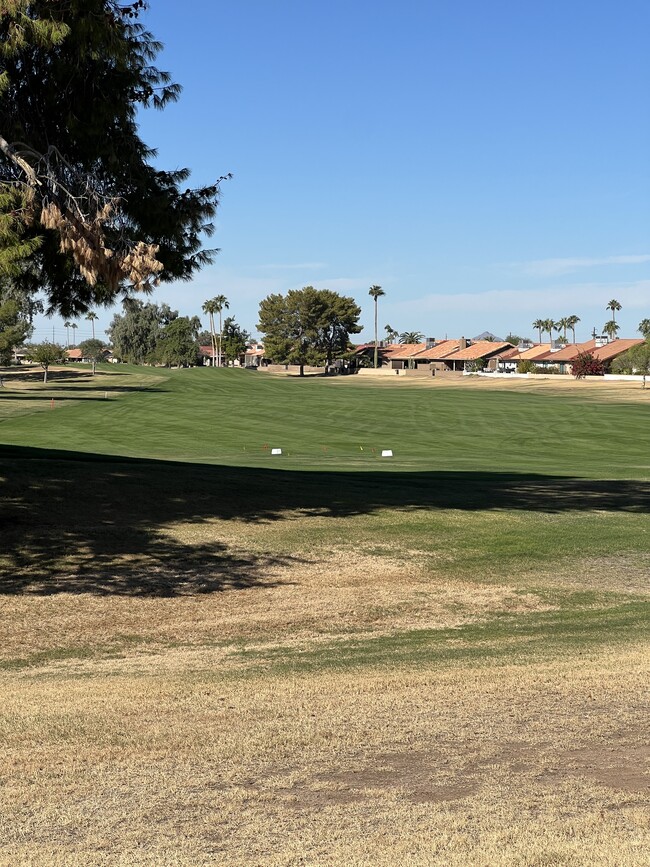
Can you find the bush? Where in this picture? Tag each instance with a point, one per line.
(586, 365)
(526, 366)
(476, 366)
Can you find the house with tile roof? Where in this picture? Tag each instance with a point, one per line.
(601, 348)
(487, 350)
(509, 359)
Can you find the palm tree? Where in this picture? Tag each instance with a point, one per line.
(74, 327)
(644, 328)
(550, 326)
(210, 308)
(562, 325)
(391, 334)
(614, 306)
(91, 318)
(611, 328)
(411, 337)
(67, 325)
(571, 322)
(220, 304)
(376, 292)
(539, 325)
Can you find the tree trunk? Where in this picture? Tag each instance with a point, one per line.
(375, 334)
(94, 366)
(45, 374)
(302, 370)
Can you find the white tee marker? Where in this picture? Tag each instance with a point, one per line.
(276, 451)
(387, 453)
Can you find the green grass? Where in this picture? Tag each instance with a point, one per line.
(507, 638)
(234, 417)
(485, 485)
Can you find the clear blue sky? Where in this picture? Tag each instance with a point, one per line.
(485, 163)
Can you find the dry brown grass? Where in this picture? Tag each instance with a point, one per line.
(320, 596)
(565, 385)
(488, 765)
(172, 750)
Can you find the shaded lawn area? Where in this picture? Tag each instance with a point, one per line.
(92, 523)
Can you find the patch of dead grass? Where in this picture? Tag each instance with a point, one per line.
(491, 765)
(336, 592)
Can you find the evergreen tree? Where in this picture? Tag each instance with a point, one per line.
(235, 339)
(178, 343)
(135, 333)
(79, 199)
(307, 326)
(14, 328)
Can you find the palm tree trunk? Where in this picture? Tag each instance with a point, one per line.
(220, 339)
(376, 353)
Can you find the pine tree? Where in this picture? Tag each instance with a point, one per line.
(79, 199)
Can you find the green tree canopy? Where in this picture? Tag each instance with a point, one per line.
(411, 337)
(135, 333)
(307, 326)
(93, 349)
(45, 354)
(636, 360)
(79, 198)
(14, 328)
(644, 328)
(235, 339)
(178, 343)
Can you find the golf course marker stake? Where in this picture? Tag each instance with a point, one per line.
(276, 451)
(387, 453)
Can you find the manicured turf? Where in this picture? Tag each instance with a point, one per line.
(235, 417)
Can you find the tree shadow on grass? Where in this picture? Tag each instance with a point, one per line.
(74, 522)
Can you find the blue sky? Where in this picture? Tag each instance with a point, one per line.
(487, 164)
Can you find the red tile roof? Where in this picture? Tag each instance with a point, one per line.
(480, 349)
(439, 351)
(569, 352)
(615, 347)
(403, 350)
(73, 354)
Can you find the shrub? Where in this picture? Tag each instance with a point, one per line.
(526, 366)
(586, 365)
(477, 365)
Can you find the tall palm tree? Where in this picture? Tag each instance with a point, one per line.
(91, 317)
(614, 306)
(74, 327)
(611, 328)
(376, 292)
(644, 328)
(220, 304)
(549, 325)
(67, 325)
(210, 308)
(571, 322)
(562, 325)
(539, 325)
